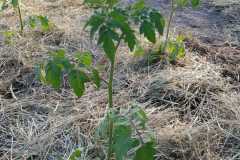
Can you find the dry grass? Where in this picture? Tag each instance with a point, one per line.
(193, 110)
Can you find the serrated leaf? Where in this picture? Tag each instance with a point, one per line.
(118, 16)
(146, 152)
(94, 22)
(84, 58)
(106, 38)
(147, 29)
(122, 141)
(53, 74)
(195, 3)
(96, 77)
(158, 20)
(76, 81)
(129, 37)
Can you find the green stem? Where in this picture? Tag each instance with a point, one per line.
(110, 106)
(169, 25)
(110, 103)
(20, 18)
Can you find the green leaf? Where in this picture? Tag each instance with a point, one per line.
(158, 20)
(75, 155)
(53, 74)
(140, 116)
(129, 37)
(84, 58)
(106, 38)
(146, 152)
(44, 22)
(147, 29)
(102, 129)
(111, 3)
(96, 77)
(118, 16)
(60, 53)
(76, 80)
(32, 22)
(195, 3)
(15, 3)
(122, 141)
(95, 22)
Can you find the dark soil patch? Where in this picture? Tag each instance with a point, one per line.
(15, 78)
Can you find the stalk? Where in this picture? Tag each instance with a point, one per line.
(169, 25)
(110, 106)
(20, 18)
(110, 102)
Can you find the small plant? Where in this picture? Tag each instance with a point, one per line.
(176, 4)
(78, 73)
(8, 36)
(16, 5)
(33, 21)
(111, 25)
(39, 20)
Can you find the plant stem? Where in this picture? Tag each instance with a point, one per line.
(110, 102)
(20, 18)
(169, 25)
(110, 106)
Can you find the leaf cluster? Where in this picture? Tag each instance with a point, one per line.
(78, 74)
(39, 20)
(113, 24)
(129, 141)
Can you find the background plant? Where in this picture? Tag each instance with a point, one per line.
(33, 21)
(39, 21)
(176, 4)
(111, 25)
(16, 5)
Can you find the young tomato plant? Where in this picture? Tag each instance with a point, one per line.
(111, 25)
(176, 4)
(33, 21)
(16, 5)
(39, 20)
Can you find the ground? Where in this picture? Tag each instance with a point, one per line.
(193, 106)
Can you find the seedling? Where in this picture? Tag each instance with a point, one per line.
(16, 5)
(39, 20)
(33, 21)
(111, 25)
(176, 4)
